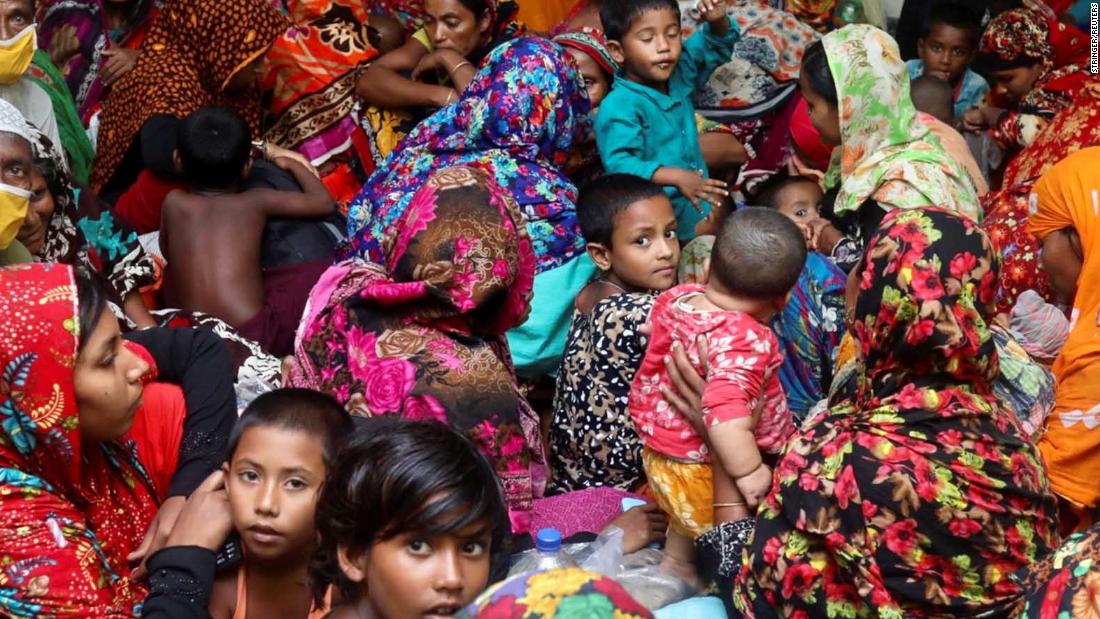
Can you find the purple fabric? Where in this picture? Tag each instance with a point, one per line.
(588, 510)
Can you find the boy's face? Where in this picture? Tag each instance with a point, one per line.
(273, 481)
(800, 201)
(946, 52)
(644, 248)
(650, 49)
(411, 576)
(595, 80)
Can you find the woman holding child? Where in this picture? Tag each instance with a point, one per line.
(857, 90)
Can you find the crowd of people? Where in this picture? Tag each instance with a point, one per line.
(326, 308)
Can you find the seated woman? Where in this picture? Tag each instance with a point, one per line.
(433, 67)
(1064, 222)
(419, 332)
(94, 462)
(174, 76)
(70, 225)
(916, 493)
(857, 91)
(1017, 54)
(519, 119)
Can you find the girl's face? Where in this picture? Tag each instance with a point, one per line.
(412, 576)
(824, 116)
(107, 382)
(451, 25)
(32, 234)
(1062, 259)
(595, 80)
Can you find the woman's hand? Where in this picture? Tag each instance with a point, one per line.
(686, 394)
(206, 518)
(159, 530)
(642, 525)
(120, 61)
(63, 46)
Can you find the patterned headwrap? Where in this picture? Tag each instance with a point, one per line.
(592, 43)
(1015, 38)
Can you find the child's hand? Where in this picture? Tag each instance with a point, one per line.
(695, 187)
(974, 119)
(756, 485)
(712, 10)
(641, 526)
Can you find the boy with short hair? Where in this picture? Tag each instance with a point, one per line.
(280, 453)
(947, 46)
(713, 471)
(212, 234)
(631, 229)
(646, 125)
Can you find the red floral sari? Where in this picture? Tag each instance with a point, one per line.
(69, 512)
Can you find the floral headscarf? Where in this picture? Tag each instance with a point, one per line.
(1018, 34)
(563, 593)
(99, 499)
(592, 43)
(423, 338)
(918, 494)
(519, 117)
(886, 153)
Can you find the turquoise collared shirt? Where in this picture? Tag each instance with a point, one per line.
(639, 129)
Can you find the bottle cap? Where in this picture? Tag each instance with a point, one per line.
(548, 540)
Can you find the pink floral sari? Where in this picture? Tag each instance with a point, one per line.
(423, 336)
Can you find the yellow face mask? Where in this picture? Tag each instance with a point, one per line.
(16, 54)
(14, 202)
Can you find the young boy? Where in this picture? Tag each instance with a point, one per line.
(811, 324)
(211, 234)
(630, 228)
(946, 48)
(646, 125)
(714, 472)
(280, 453)
(932, 98)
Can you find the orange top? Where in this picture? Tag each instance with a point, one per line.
(241, 612)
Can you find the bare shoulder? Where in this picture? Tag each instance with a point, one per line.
(223, 600)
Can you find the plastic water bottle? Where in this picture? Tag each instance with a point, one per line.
(550, 554)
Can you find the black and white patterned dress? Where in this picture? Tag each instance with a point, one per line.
(592, 438)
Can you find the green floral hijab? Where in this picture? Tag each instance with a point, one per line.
(886, 153)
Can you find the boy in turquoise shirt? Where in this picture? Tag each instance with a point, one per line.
(646, 125)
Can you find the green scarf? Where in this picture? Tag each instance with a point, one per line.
(78, 148)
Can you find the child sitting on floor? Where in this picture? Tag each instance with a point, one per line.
(947, 47)
(211, 234)
(811, 324)
(714, 472)
(630, 228)
(409, 522)
(646, 126)
(280, 453)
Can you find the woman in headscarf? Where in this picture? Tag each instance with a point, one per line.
(419, 330)
(68, 224)
(91, 461)
(1007, 210)
(857, 90)
(311, 72)
(519, 119)
(1065, 221)
(1023, 71)
(94, 43)
(198, 53)
(433, 67)
(917, 493)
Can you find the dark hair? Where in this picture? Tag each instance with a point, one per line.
(934, 96)
(768, 192)
(477, 7)
(312, 412)
(604, 198)
(398, 476)
(759, 254)
(955, 16)
(214, 144)
(618, 15)
(91, 300)
(815, 66)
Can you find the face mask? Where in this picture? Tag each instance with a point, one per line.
(16, 54)
(13, 210)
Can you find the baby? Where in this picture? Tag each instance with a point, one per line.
(757, 258)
